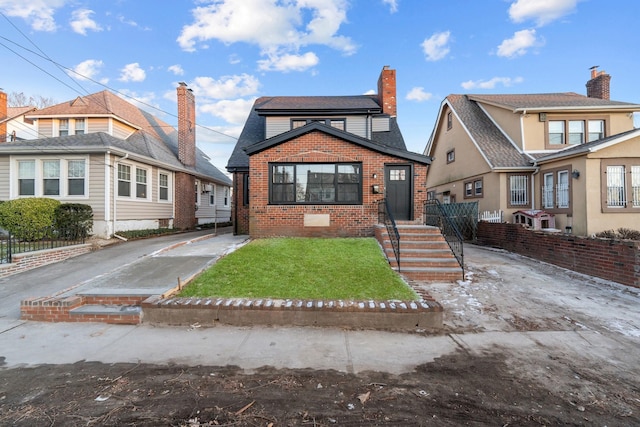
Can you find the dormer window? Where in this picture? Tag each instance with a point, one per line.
(63, 127)
(573, 132)
(336, 123)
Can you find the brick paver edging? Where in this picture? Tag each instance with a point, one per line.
(389, 315)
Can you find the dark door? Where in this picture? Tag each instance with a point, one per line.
(398, 191)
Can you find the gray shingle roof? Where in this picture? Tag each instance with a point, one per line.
(254, 128)
(541, 101)
(155, 139)
(495, 146)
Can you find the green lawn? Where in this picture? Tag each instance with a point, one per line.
(303, 268)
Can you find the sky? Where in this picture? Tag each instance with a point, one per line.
(231, 52)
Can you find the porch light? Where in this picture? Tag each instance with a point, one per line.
(575, 174)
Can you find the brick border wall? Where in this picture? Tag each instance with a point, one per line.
(30, 260)
(608, 259)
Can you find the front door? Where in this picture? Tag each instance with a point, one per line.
(398, 191)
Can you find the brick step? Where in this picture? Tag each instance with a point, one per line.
(416, 237)
(107, 313)
(432, 274)
(425, 262)
(420, 253)
(417, 245)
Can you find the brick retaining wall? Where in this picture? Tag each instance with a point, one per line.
(616, 260)
(29, 260)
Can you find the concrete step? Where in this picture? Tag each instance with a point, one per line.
(431, 274)
(107, 313)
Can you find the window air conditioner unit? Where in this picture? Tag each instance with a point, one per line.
(208, 188)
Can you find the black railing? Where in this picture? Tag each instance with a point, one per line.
(49, 238)
(385, 217)
(435, 215)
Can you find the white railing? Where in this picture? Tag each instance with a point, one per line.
(489, 216)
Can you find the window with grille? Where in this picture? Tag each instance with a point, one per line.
(518, 190)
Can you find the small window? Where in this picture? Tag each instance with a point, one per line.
(548, 191)
(576, 132)
(518, 190)
(51, 177)
(616, 197)
(124, 180)
(26, 178)
(338, 124)
(473, 188)
(226, 196)
(63, 127)
(478, 187)
(76, 177)
(449, 120)
(562, 190)
(596, 130)
(556, 132)
(451, 156)
(141, 183)
(297, 123)
(163, 186)
(212, 195)
(79, 126)
(397, 175)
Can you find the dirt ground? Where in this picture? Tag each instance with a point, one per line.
(500, 387)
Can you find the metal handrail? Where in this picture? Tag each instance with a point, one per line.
(386, 217)
(435, 215)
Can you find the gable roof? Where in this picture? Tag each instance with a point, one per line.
(346, 136)
(498, 151)
(552, 101)
(590, 147)
(155, 141)
(254, 128)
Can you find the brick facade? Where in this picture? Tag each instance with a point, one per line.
(186, 125)
(345, 220)
(185, 201)
(618, 261)
(239, 210)
(30, 260)
(599, 85)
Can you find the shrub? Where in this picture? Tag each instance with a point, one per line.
(73, 220)
(625, 233)
(28, 219)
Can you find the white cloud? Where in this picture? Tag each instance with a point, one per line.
(89, 70)
(490, 84)
(289, 62)
(282, 27)
(371, 92)
(176, 69)
(393, 5)
(518, 44)
(436, 47)
(232, 111)
(541, 11)
(225, 87)
(418, 94)
(81, 21)
(132, 73)
(38, 13)
(145, 101)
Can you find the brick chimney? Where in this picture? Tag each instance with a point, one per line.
(387, 91)
(3, 117)
(186, 125)
(598, 86)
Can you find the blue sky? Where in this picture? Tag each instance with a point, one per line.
(233, 51)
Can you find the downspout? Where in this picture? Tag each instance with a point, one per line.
(524, 145)
(533, 185)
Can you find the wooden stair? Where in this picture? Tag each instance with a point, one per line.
(424, 253)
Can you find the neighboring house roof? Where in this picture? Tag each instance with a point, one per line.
(497, 149)
(315, 126)
(155, 141)
(551, 101)
(254, 128)
(590, 147)
(14, 112)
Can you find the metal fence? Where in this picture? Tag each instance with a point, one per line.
(465, 217)
(48, 238)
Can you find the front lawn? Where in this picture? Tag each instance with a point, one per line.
(303, 268)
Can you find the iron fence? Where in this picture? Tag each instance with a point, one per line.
(48, 238)
(435, 215)
(385, 217)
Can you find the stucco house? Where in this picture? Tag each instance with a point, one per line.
(320, 165)
(135, 170)
(575, 157)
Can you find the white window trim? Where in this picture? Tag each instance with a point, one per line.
(132, 182)
(169, 186)
(39, 176)
(214, 188)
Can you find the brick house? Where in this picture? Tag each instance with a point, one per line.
(575, 157)
(135, 170)
(320, 165)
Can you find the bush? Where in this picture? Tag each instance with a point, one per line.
(28, 219)
(620, 233)
(73, 220)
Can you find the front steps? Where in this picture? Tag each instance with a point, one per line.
(424, 253)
